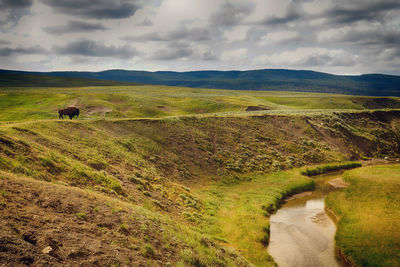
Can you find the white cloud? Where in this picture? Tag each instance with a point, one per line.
(238, 33)
(332, 34)
(234, 55)
(278, 37)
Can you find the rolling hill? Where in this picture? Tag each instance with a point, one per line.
(267, 79)
(25, 79)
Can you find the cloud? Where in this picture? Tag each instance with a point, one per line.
(279, 37)
(354, 11)
(95, 9)
(230, 14)
(15, 3)
(88, 48)
(183, 50)
(234, 55)
(172, 54)
(334, 12)
(11, 12)
(74, 26)
(7, 51)
(237, 33)
(309, 57)
(361, 36)
(146, 22)
(293, 12)
(331, 35)
(194, 34)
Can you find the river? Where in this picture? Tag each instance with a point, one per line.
(302, 233)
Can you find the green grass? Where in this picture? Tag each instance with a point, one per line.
(368, 232)
(330, 168)
(235, 211)
(228, 161)
(145, 101)
(81, 215)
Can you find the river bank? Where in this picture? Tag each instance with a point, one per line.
(368, 212)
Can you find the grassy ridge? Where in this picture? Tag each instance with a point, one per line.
(330, 168)
(369, 210)
(14, 79)
(160, 101)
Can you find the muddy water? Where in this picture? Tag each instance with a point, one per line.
(302, 233)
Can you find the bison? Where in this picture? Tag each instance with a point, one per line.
(70, 112)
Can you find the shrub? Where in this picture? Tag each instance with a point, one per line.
(81, 215)
(265, 239)
(124, 228)
(330, 168)
(148, 251)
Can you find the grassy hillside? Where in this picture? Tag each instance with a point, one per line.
(204, 173)
(369, 212)
(146, 101)
(267, 79)
(168, 174)
(56, 224)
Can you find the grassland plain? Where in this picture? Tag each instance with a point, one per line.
(201, 171)
(19, 103)
(369, 210)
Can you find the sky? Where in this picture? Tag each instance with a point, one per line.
(334, 36)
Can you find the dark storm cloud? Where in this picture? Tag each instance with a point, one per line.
(195, 34)
(343, 12)
(368, 11)
(371, 37)
(97, 9)
(74, 26)
(172, 54)
(15, 3)
(90, 48)
(11, 12)
(230, 14)
(292, 13)
(376, 37)
(7, 51)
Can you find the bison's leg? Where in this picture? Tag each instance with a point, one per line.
(70, 117)
(61, 116)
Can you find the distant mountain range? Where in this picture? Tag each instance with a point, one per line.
(266, 79)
